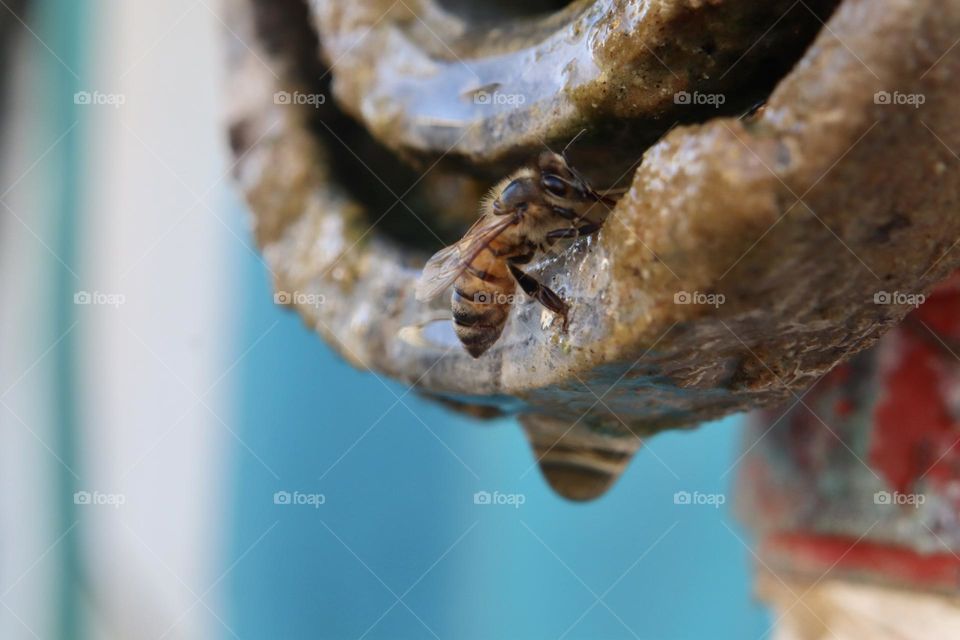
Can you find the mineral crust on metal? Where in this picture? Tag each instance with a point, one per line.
(750, 255)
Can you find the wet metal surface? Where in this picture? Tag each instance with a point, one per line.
(742, 263)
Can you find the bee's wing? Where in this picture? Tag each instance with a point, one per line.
(450, 262)
(440, 271)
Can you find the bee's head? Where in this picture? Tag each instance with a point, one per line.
(560, 183)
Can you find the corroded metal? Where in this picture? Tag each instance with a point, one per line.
(853, 491)
(866, 463)
(793, 218)
(488, 91)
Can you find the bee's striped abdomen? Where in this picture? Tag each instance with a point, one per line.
(481, 302)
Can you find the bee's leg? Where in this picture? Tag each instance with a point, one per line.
(575, 232)
(541, 293)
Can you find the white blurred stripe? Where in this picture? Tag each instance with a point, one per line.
(149, 235)
(28, 523)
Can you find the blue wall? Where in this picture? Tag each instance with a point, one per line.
(399, 501)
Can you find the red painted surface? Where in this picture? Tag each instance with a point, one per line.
(843, 407)
(822, 556)
(915, 434)
(895, 408)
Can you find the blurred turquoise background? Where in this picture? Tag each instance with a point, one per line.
(195, 401)
(399, 518)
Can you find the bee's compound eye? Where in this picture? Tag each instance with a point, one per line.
(554, 185)
(513, 197)
(512, 193)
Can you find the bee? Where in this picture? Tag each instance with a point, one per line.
(522, 217)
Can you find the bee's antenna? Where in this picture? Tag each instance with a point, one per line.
(572, 140)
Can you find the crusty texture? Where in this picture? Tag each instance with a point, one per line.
(712, 209)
